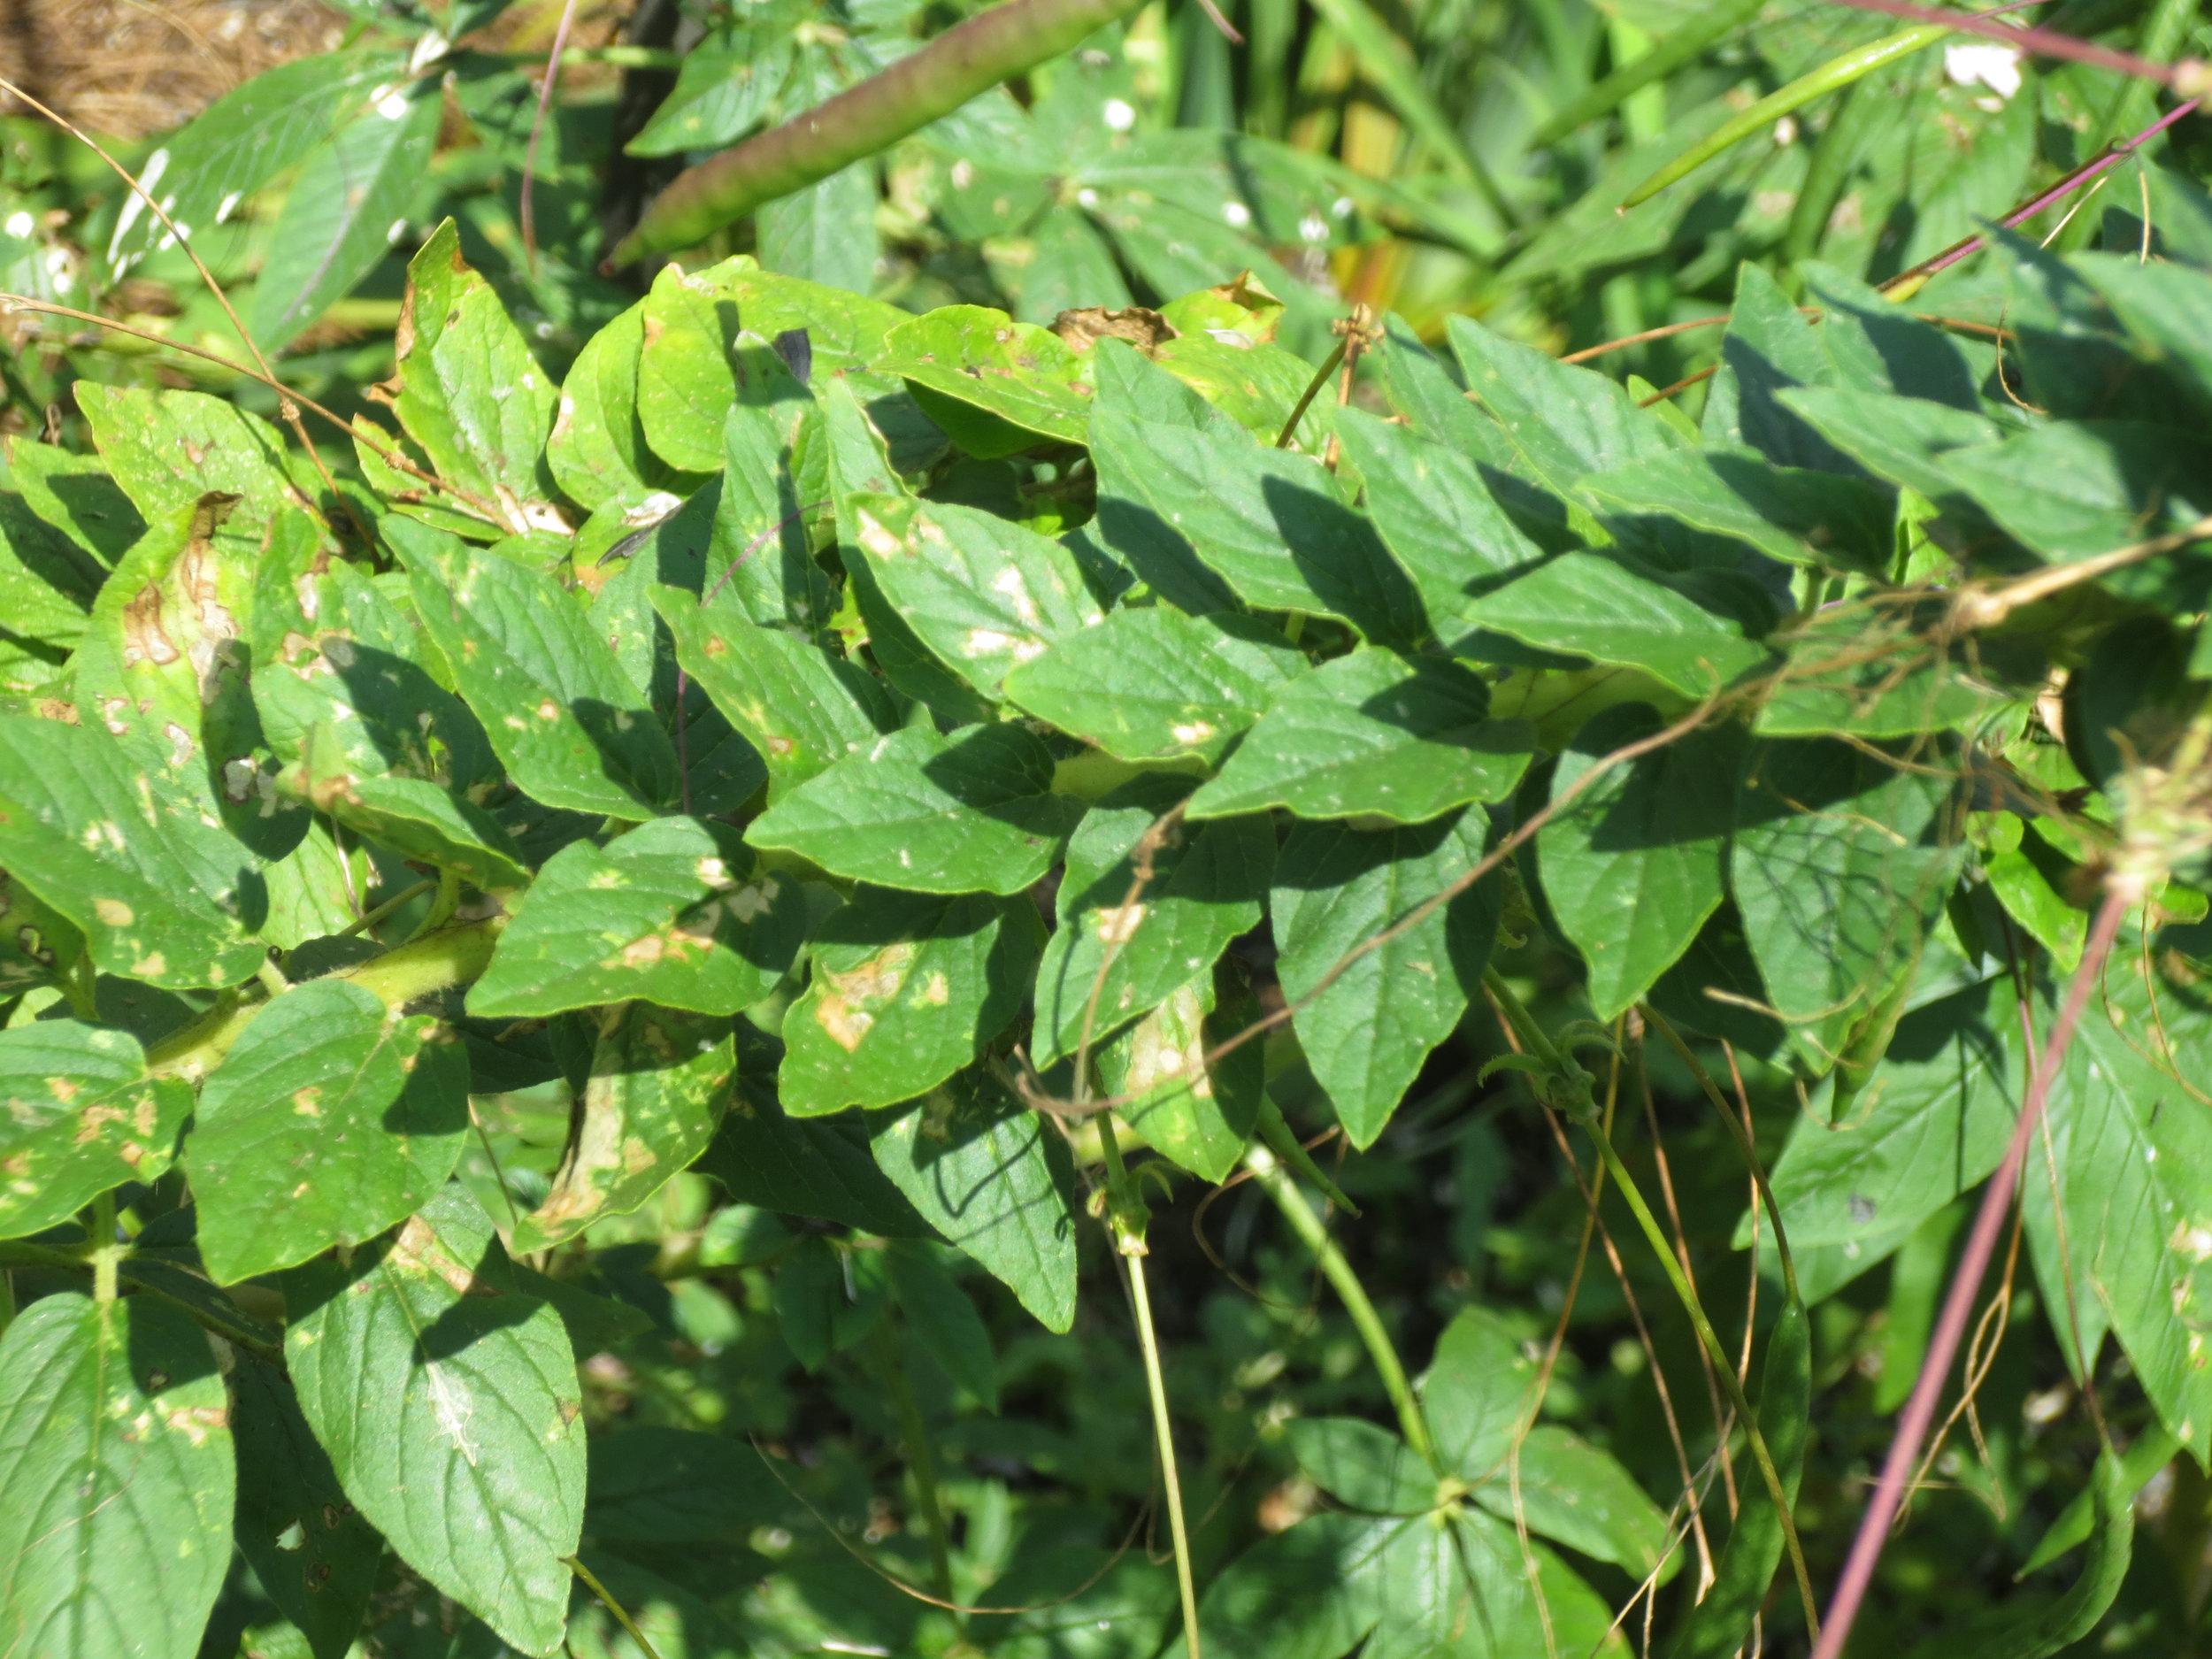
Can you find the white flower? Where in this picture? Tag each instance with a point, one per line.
(1236, 214)
(1990, 63)
(1118, 115)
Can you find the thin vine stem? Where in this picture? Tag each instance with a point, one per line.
(920, 1459)
(621, 1614)
(1563, 1070)
(1273, 1179)
(1126, 1219)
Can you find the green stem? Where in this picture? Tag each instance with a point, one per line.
(967, 59)
(1275, 1182)
(396, 978)
(1286, 1146)
(441, 907)
(1832, 76)
(1313, 387)
(371, 918)
(919, 1458)
(77, 982)
(1127, 1219)
(621, 1614)
(106, 1254)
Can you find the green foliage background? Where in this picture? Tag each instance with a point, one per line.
(562, 948)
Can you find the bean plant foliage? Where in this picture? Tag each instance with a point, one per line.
(647, 910)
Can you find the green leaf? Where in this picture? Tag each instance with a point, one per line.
(761, 554)
(963, 359)
(700, 368)
(724, 88)
(1792, 513)
(671, 912)
(78, 495)
(2130, 1150)
(984, 594)
(1207, 882)
(2035, 883)
(2077, 489)
(244, 139)
(347, 207)
(1197, 1116)
(1842, 863)
(807, 1166)
(1311, 1592)
(994, 1178)
(1771, 349)
(1634, 864)
(596, 451)
(859, 463)
(1932, 1122)
(907, 986)
(659, 1080)
(167, 450)
(1373, 734)
(944, 1319)
(825, 232)
(79, 1116)
(1475, 1392)
(328, 1121)
(1434, 509)
(449, 1404)
(158, 895)
(1564, 422)
(1362, 1466)
(1577, 1495)
(1153, 684)
(315, 1557)
(469, 393)
(1901, 439)
(801, 708)
(1232, 506)
(970, 813)
(651, 1485)
(565, 719)
(47, 579)
(115, 1451)
(416, 819)
(1614, 609)
(1366, 1032)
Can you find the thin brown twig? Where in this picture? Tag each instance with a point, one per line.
(286, 406)
(1689, 1274)
(354, 430)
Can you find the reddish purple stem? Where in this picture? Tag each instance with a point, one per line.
(2071, 182)
(1958, 1303)
(2036, 42)
(537, 126)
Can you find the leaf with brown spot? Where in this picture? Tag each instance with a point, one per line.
(659, 1082)
(78, 1117)
(328, 1120)
(674, 912)
(907, 988)
(115, 1453)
